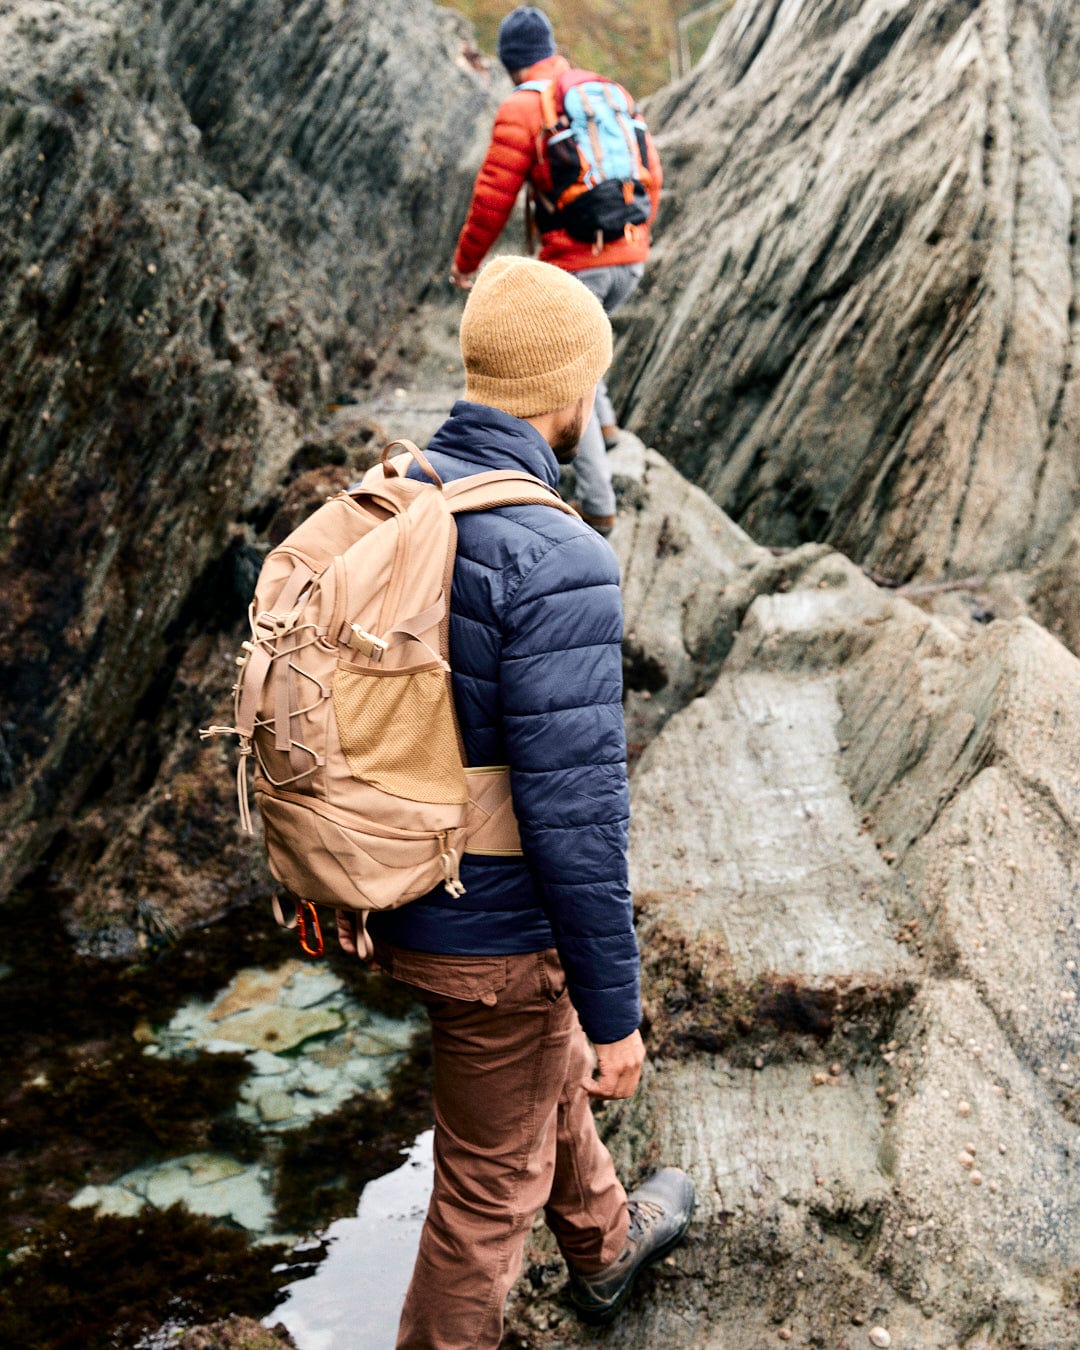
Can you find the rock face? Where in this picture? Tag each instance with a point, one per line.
(216, 214)
(861, 322)
(854, 853)
(855, 830)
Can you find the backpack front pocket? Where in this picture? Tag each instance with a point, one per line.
(397, 732)
(331, 857)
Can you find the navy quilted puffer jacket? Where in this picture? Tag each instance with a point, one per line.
(536, 650)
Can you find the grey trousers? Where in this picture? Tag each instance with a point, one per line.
(611, 286)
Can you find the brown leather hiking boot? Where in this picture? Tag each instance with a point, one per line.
(601, 524)
(660, 1212)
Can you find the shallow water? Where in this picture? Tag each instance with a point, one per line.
(354, 1298)
(311, 1046)
(262, 1093)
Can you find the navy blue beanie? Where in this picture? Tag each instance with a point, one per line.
(525, 37)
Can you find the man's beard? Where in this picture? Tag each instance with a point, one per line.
(564, 443)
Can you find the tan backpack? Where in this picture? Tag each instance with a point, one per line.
(344, 699)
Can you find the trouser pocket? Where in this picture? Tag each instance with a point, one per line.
(552, 975)
(467, 979)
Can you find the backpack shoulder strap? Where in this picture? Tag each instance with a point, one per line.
(549, 102)
(502, 487)
(483, 491)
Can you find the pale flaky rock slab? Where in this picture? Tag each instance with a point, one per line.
(855, 863)
(783, 874)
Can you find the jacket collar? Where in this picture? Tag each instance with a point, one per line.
(486, 438)
(550, 68)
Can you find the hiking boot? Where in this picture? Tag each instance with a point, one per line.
(660, 1211)
(601, 524)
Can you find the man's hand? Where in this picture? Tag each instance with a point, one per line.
(618, 1068)
(347, 937)
(462, 280)
(346, 932)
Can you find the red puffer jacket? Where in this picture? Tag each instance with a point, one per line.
(511, 159)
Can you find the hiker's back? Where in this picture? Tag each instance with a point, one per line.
(594, 175)
(516, 156)
(535, 607)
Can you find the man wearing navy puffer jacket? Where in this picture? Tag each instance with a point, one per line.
(538, 957)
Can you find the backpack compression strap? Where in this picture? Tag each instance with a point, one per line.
(255, 666)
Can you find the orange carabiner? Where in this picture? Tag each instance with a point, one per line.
(305, 911)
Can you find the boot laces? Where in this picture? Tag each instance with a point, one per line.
(644, 1215)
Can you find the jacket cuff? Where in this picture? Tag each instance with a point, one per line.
(608, 1015)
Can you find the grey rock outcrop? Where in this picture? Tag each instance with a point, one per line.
(861, 322)
(854, 854)
(855, 833)
(202, 248)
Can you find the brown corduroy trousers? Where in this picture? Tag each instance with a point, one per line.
(514, 1133)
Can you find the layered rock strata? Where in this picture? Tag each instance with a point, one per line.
(215, 216)
(854, 856)
(861, 322)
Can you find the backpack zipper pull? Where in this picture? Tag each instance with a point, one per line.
(245, 752)
(449, 860)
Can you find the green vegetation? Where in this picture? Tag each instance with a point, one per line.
(632, 40)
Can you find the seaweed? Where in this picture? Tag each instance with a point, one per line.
(85, 1282)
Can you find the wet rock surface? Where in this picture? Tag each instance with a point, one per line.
(860, 323)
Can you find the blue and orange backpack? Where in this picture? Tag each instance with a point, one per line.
(593, 141)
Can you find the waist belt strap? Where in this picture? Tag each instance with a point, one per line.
(490, 824)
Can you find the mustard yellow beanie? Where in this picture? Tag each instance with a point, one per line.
(533, 338)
